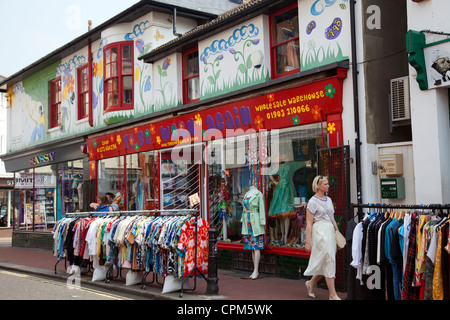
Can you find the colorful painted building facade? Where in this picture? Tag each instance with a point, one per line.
(157, 105)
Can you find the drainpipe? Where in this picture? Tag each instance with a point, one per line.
(356, 103)
(90, 75)
(174, 22)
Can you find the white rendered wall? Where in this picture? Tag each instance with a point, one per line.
(430, 113)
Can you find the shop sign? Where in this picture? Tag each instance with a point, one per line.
(27, 181)
(437, 61)
(431, 60)
(287, 108)
(42, 159)
(6, 182)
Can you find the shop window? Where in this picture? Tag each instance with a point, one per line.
(34, 199)
(55, 103)
(118, 80)
(289, 182)
(83, 92)
(285, 49)
(229, 179)
(5, 219)
(70, 187)
(111, 179)
(191, 89)
(285, 182)
(180, 178)
(142, 181)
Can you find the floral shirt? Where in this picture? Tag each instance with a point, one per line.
(186, 246)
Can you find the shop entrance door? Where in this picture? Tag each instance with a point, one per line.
(335, 164)
(181, 174)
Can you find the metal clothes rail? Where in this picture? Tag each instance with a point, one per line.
(391, 207)
(156, 213)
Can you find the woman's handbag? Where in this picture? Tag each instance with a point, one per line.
(340, 239)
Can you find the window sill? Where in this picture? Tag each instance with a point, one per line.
(81, 121)
(55, 129)
(118, 108)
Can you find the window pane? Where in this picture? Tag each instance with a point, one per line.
(70, 184)
(115, 98)
(193, 89)
(135, 182)
(114, 69)
(110, 103)
(191, 64)
(286, 26)
(288, 56)
(128, 82)
(126, 53)
(114, 52)
(44, 201)
(108, 56)
(127, 67)
(127, 96)
(108, 71)
(113, 84)
(23, 200)
(111, 178)
(227, 191)
(179, 179)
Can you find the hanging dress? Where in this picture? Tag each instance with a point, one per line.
(282, 204)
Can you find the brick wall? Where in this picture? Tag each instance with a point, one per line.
(26, 239)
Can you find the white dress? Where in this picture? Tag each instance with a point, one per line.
(323, 243)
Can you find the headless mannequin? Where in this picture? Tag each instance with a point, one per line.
(256, 254)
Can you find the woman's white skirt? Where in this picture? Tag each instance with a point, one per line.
(323, 250)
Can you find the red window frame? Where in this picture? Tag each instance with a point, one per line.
(115, 76)
(55, 103)
(274, 45)
(83, 92)
(195, 64)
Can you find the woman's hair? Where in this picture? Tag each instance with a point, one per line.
(316, 182)
(103, 199)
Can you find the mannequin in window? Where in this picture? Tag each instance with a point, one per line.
(282, 205)
(253, 226)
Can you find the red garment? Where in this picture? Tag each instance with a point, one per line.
(186, 244)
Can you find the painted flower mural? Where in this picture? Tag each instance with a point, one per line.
(316, 111)
(330, 91)
(162, 71)
(331, 128)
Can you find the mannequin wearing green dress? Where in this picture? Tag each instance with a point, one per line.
(282, 205)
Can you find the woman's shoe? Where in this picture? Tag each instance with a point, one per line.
(308, 290)
(336, 297)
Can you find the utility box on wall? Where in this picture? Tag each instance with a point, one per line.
(392, 188)
(390, 164)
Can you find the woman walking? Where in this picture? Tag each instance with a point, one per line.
(320, 239)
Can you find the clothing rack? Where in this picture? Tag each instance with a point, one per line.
(400, 267)
(388, 206)
(194, 212)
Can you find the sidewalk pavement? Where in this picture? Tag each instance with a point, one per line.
(231, 284)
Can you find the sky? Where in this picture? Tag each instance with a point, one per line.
(29, 29)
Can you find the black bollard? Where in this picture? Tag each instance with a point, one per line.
(212, 286)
